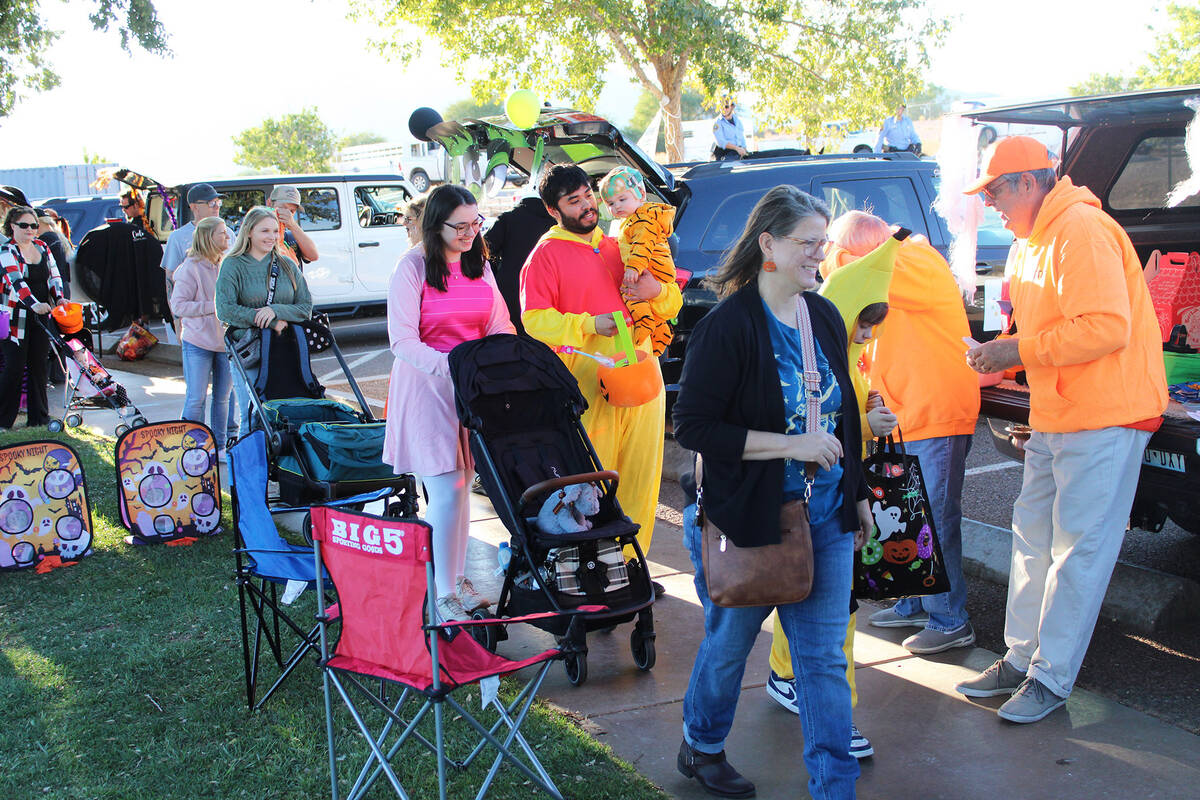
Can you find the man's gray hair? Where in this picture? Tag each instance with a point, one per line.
(1046, 179)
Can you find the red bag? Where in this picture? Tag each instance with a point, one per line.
(136, 342)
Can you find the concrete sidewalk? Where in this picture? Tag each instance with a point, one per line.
(929, 741)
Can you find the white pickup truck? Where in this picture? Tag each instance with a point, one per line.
(354, 220)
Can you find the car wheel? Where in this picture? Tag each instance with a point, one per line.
(419, 180)
(863, 148)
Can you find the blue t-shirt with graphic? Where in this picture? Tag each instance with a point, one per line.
(826, 499)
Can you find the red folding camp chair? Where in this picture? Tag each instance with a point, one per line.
(383, 572)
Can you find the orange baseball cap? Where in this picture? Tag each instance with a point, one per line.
(1008, 155)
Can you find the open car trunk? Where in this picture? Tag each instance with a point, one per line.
(481, 152)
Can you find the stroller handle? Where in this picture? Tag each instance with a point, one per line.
(568, 480)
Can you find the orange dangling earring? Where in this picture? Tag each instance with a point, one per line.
(768, 266)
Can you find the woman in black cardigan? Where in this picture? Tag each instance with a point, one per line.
(742, 406)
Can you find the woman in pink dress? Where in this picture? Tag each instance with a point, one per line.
(442, 293)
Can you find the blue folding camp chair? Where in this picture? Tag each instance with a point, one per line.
(265, 564)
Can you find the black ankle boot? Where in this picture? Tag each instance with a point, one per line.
(713, 772)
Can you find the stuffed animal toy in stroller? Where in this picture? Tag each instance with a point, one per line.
(567, 509)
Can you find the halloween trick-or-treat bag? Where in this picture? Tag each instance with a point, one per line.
(169, 487)
(902, 558)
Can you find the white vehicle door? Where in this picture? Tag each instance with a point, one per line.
(379, 235)
(323, 216)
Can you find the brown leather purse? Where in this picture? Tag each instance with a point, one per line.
(773, 574)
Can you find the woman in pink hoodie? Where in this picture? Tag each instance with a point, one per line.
(203, 347)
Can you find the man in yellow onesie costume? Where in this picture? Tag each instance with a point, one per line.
(570, 288)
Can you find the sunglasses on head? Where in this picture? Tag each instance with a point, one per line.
(29, 226)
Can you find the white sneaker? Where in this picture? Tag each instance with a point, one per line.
(783, 691)
(860, 746)
(467, 595)
(449, 608)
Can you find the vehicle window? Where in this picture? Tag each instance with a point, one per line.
(237, 202)
(380, 205)
(319, 209)
(893, 200)
(1157, 164)
(729, 221)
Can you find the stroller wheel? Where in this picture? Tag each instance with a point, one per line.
(642, 647)
(576, 667)
(54, 425)
(139, 421)
(74, 420)
(486, 635)
(121, 429)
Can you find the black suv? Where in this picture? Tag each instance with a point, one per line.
(84, 213)
(714, 199)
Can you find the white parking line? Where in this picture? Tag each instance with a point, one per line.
(358, 362)
(993, 467)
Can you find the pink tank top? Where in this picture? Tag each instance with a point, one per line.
(459, 314)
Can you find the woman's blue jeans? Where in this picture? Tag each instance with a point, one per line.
(943, 465)
(201, 366)
(816, 631)
(243, 397)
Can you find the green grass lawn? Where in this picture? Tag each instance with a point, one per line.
(121, 677)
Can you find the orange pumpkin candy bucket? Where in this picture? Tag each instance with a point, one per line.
(635, 380)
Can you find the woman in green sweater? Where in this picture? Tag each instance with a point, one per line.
(241, 294)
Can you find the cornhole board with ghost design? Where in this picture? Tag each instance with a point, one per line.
(1174, 281)
(169, 482)
(43, 505)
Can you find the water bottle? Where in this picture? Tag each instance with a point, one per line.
(503, 557)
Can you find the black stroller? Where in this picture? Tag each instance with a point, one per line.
(318, 449)
(522, 408)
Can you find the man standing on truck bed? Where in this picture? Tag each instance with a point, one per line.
(1091, 348)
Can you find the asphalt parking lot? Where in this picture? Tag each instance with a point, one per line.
(1157, 673)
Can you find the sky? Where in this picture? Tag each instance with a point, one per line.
(237, 62)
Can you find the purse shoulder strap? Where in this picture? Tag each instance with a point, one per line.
(812, 375)
(274, 278)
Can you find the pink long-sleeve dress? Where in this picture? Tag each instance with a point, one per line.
(424, 325)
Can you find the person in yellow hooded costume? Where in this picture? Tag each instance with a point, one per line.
(570, 288)
(860, 293)
(918, 364)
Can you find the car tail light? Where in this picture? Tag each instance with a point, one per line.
(682, 276)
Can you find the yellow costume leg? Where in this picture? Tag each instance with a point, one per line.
(781, 656)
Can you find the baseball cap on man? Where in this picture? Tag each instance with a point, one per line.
(202, 193)
(283, 193)
(1008, 155)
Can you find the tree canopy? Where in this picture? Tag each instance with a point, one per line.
(1173, 60)
(292, 143)
(25, 38)
(362, 137)
(806, 60)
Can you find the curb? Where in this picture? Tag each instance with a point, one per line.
(1142, 599)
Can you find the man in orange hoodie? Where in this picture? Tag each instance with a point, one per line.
(1091, 349)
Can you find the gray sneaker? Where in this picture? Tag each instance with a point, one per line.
(450, 608)
(999, 679)
(888, 618)
(1031, 702)
(930, 641)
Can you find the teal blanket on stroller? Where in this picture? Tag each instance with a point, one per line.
(331, 438)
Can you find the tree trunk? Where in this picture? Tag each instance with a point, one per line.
(670, 76)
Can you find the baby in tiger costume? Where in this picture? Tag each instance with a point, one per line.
(645, 230)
